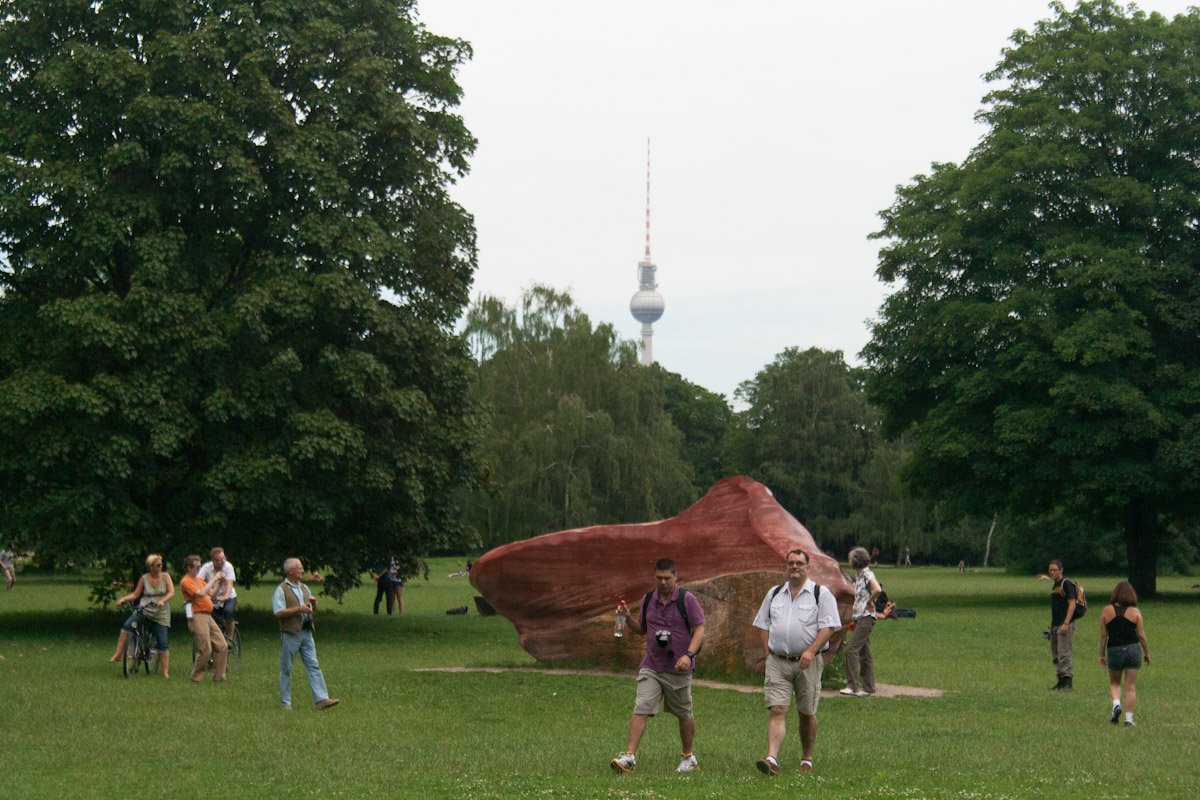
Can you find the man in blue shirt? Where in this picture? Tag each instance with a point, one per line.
(665, 674)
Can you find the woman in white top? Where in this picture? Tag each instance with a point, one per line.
(860, 666)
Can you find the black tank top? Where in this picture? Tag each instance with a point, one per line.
(1121, 631)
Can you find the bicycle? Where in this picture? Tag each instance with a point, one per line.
(235, 644)
(140, 646)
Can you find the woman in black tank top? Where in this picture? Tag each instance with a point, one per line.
(1123, 648)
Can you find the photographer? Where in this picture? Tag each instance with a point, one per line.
(294, 605)
(675, 623)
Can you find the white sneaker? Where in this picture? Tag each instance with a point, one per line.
(861, 693)
(847, 691)
(625, 762)
(688, 764)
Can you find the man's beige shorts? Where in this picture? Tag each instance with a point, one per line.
(672, 689)
(784, 677)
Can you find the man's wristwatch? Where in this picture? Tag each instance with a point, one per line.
(691, 656)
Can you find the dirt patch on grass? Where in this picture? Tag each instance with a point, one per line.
(881, 689)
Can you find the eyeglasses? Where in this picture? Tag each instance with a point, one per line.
(156, 563)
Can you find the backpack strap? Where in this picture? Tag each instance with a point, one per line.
(779, 588)
(771, 599)
(681, 604)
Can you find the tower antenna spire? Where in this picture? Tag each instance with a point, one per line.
(647, 198)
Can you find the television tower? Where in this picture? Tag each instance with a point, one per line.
(647, 304)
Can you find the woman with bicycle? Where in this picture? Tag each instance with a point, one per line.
(210, 639)
(153, 594)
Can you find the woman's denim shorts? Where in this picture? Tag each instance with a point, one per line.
(1127, 656)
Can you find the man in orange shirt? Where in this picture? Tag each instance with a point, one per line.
(210, 641)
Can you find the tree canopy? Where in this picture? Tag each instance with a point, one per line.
(578, 431)
(229, 268)
(1040, 344)
(806, 434)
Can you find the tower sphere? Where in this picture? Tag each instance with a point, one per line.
(647, 306)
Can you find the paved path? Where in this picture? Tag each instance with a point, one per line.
(881, 689)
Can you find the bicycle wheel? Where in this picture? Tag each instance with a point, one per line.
(129, 657)
(235, 649)
(145, 650)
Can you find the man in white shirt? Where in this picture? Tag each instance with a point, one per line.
(795, 622)
(225, 600)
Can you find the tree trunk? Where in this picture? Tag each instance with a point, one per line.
(987, 549)
(1141, 548)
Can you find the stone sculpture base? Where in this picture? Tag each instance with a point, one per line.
(561, 590)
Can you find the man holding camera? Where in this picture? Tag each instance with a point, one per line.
(294, 605)
(225, 601)
(673, 622)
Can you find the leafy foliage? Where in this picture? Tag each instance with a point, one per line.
(807, 433)
(579, 434)
(230, 267)
(1040, 344)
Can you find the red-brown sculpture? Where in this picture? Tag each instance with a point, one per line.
(560, 590)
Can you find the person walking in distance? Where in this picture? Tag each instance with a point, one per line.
(1123, 647)
(860, 663)
(673, 622)
(794, 622)
(1062, 625)
(294, 607)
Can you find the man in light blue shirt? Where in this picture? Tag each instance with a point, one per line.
(794, 623)
(294, 606)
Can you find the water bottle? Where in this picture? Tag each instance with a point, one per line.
(619, 630)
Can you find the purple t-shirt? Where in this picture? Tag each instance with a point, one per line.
(662, 616)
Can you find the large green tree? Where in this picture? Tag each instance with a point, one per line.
(1041, 341)
(578, 431)
(806, 433)
(230, 269)
(705, 420)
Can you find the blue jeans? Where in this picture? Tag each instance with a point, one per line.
(302, 643)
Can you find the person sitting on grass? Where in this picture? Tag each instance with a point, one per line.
(153, 594)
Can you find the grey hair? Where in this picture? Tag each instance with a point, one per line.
(859, 557)
(287, 562)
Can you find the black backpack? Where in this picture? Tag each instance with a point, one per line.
(1080, 598)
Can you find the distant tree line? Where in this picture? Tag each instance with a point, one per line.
(578, 433)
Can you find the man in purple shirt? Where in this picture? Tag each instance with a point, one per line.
(673, 622)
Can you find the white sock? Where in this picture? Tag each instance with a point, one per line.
(1129, 716)
(1116, 703)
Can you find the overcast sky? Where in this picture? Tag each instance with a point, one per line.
(779, 131)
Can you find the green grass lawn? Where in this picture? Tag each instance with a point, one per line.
(73, 725)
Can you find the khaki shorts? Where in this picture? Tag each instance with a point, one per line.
(785, 677)
(672, 689)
